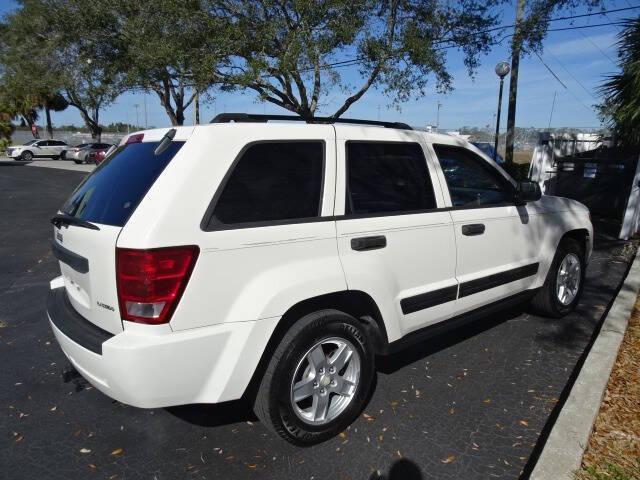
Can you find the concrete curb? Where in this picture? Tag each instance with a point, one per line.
(562, 454)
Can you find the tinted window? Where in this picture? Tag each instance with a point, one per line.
(273, 182)
(471, 180)
(387, 177)
(112, 192)
(57, 143)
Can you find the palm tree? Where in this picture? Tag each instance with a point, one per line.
(622, 91)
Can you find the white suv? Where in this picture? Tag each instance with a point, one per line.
(274, 261)
(37, 148)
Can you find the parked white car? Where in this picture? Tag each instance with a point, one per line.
(274, 261)
(36, 149)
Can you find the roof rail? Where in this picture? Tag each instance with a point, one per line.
(257, 118)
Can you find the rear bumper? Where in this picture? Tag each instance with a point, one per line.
(151, 370)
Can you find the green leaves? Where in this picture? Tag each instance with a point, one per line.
(622, 90)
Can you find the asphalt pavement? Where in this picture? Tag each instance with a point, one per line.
(474, 404)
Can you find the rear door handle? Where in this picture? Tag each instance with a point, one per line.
(473, 229)
(368, 243)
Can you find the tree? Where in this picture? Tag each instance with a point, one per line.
(622, 91)
(48, 54)
(172, 47)
(27, 79)
(82, 48)
(286, 51)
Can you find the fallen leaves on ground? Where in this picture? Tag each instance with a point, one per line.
(614, 445)
(449, 459)
(117, 451)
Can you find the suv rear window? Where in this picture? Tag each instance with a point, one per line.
(112, 192)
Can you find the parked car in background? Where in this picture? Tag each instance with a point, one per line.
(487, 148)
(98, 155)
(37, 149)
(281, 270)
(80, 153)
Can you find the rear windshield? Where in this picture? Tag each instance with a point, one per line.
(112, 192)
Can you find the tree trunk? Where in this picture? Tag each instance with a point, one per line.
(513, 84)
(197, 108)
(47, 112)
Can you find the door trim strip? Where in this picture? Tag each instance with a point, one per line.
(433, 298)
(428, 299)
(491, 281)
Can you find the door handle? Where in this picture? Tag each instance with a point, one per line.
(368, 243)
(473, 229)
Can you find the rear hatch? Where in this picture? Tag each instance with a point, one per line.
(87, 227)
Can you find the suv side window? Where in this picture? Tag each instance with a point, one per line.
(387, 177)
(272, 182)
(472, 181)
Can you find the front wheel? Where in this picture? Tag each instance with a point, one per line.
(318, 379)
(26, 156)
(563, 286)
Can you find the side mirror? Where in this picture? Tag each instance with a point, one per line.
(527, 191)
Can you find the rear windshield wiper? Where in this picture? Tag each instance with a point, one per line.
(165, 142)
(63, 219)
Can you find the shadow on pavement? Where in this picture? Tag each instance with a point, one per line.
(214, 415)
(392, 363)
(402, 469)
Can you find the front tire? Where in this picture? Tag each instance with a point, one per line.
(563, 286)
(26, 156)
(318, 379)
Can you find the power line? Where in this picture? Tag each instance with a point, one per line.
(357, 60)
(550, 71)
(561, 82)
(596, 45)
(571, 75)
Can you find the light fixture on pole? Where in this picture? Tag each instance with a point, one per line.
(502, 70)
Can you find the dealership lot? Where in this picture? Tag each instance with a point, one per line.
(472, 404)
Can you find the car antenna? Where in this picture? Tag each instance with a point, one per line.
(165, 142)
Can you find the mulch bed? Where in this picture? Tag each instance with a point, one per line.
(613, 451)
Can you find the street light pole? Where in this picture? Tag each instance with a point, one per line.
(502, 69)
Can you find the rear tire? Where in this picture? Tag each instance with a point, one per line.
(560, 293)
(306, 363)
(77, 162)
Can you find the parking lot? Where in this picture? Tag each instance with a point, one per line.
(474, 404)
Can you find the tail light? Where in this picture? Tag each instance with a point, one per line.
(151, 282)
(135, 138)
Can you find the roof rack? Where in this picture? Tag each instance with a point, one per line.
(257, 118)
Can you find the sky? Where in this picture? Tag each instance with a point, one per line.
(579, 58)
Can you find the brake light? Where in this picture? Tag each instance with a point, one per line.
(151, 282)
(136, 138)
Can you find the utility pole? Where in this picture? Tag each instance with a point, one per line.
(137, 118)
(438, 117)
(146, 118)
(513, 82)
(553, 104)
